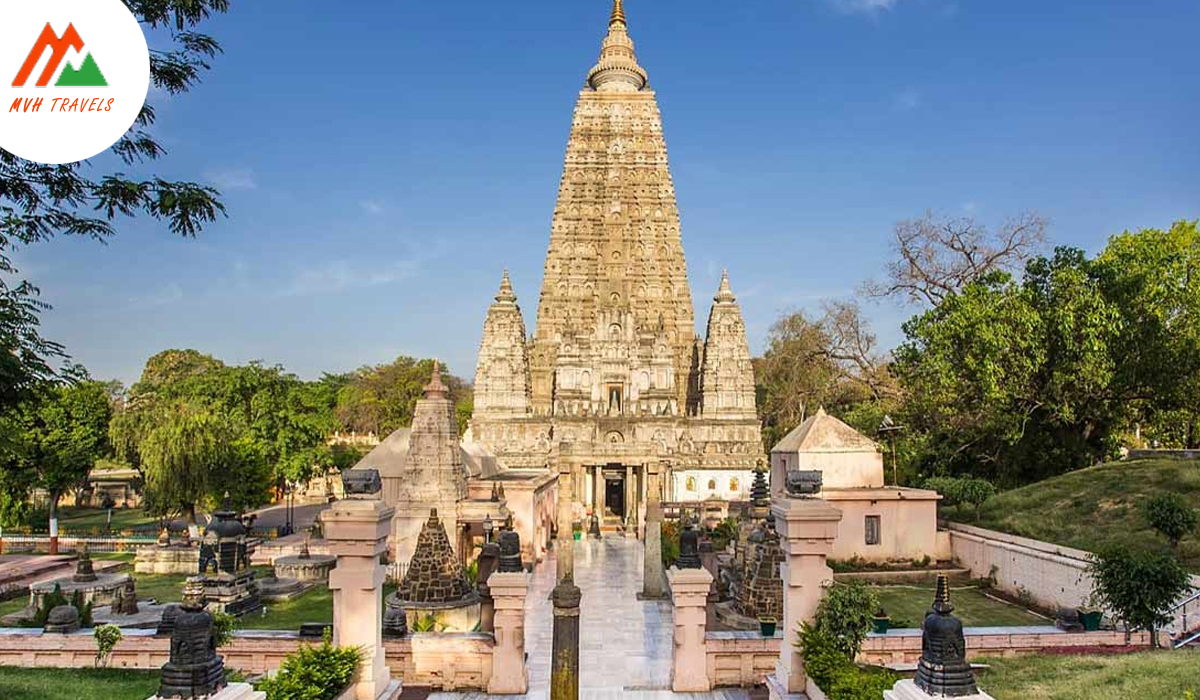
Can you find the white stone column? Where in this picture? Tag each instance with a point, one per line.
(509, 673)
(689, 594)
(357, 531)
(807, 528)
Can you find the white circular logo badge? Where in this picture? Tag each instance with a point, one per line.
(73, 77)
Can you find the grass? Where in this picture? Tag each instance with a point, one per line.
(72, 683)
(907, 606)
(1165, 675)
(84, 519)
(1092, 508)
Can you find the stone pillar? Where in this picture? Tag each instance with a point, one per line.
(489, 561)
(357, 530)
(601, 495)
(564, 662)
(653, 578)
(689, 592)
(807, 528)
(509, 674)
(630, 503)
(566, 535)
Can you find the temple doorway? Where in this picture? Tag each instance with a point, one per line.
(614, 491)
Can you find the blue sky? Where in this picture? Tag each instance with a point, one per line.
(383, 161)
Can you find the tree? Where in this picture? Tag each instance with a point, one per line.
(182, 453)
(61, 430)
(935, 257)
(832, 361)
(381, 398)
(1172, 516)
(1139, 587)
(1152, 277)
(38, 202)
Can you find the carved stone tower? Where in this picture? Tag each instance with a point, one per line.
(434, 474)
(616, 377)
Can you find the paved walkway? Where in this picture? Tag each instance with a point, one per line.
(625, 644)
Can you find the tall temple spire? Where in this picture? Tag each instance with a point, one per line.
(435, 387)
(506, 294)
(618, 14)
(725, 292)
(618, 69)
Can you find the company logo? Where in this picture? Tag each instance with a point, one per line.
(88, 75)
(79, 70)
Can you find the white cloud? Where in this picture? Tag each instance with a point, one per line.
(869, 7)
(372, 206)
(232, 179)
(338, 275)
(907, 100)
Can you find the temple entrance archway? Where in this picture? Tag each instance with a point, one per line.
(614, 491)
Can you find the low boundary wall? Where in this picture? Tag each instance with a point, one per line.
(443, 661)
(743, 659)
(1051, 575)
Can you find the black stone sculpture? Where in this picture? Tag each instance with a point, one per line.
(943, 669)
(395, 619)
(803, 484)
(760, 492)
(510, 553)
(361, 482)
(594, 528)
(194, 670)
(62, 619)
(166, 624)
(689, 548)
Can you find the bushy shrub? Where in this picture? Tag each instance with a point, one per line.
(670, 543)
(835, 673)
(845, 616)
(962, 490)
(1172, 516)
(313, 673)
(107, 637)
(724, 533)
(1140, 587)
(224, 625)
(85, 609)
(50, 601)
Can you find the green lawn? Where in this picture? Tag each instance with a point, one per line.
(84, 519)
(9, 607)
(907, 606)
(72, 683)
(1094, 507)
(1165, 675)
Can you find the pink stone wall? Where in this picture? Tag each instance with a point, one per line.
(742, 660)
(444, 661)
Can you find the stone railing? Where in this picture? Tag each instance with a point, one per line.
(444, 661)
(743, 659)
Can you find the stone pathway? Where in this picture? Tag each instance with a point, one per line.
(625, 644)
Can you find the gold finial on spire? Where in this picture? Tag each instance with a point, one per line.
(618, 13)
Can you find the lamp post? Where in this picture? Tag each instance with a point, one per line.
(888, 429)
(488, 527)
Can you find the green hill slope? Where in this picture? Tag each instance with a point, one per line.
(1093, 507)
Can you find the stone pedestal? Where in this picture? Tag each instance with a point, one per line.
(806, 528)
(233, 691)
(566, 536)
(509, 674)
(907, 690)
(357, 531)
(689, 593)
(653, 578)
